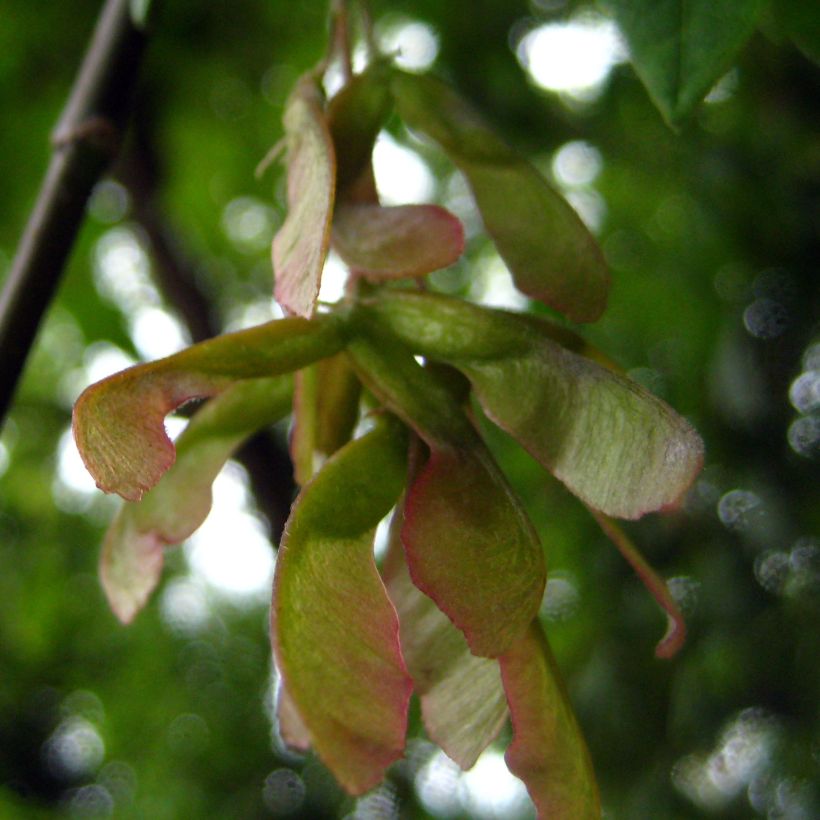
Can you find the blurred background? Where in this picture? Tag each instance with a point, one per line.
(712, 238)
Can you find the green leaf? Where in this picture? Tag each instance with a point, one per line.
(547, 751)
(802, 22)
(396, 242)
(118, 422)
(680, 48)
(549, 251)
(334, 630)
(463, 704)
(355, 116)
(301, 244)
(469, 543)
(133, 549)
(615, 445)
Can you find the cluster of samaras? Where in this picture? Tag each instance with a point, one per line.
(452, 612)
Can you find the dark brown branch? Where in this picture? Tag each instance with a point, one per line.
(85, 141)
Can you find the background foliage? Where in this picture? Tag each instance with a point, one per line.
(711, 234)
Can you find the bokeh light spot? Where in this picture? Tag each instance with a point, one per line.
(109, 202)
(490, 791)
(765, 318)
(157, 333)
(743, 752)
(740, 509)
(184, 606)
(402, 176)
(231, 551)
(334, 279)
(248, 223)
(75, 749)
(804, 393)
(188, 734)
(573, 57)
(121, 270)
(804, 436)
(91, 801)
(283, 792)
(561, 598)
(414, 43)
(576, 163)
(436, 786)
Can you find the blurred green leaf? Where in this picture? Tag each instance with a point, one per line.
(469, 543)
(334, 631)
(549, 251)
(614, 444)
(802, 22)
(548, 751)
(300, 246)
(133, 549)
(118, 422)
(681, 48)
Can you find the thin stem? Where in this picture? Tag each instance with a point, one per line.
(85, 141)
(675, 636)
(340, 44)
(368, 32)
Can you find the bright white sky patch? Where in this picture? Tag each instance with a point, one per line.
(121, 270)
(574, 57)
(334, 278)
(382, 540)
(241, 317)
(122, 276)
(156, 333)
(402, 176)
(71, 471)
(436, 785)
(414, 43)
(498, 289)
(589, 205)
(489, 790)
(72, 488)
(102, 359)
(231, 551)
(174, 425)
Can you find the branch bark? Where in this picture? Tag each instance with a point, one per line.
(85, 142)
